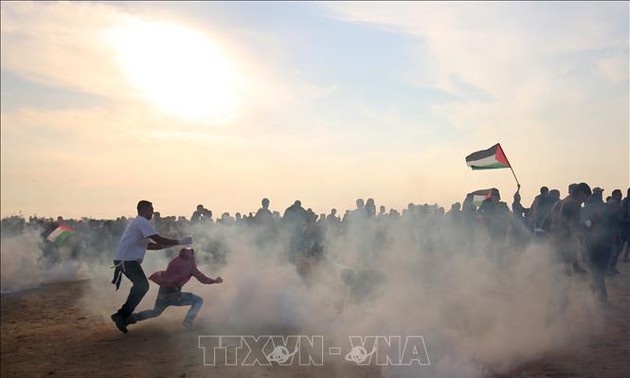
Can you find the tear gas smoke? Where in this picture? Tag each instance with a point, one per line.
(478, 311)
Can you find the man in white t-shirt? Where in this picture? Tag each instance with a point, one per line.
(139, 236)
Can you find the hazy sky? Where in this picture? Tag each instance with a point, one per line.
(224, 103)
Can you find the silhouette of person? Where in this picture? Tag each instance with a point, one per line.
(565, 226)
(265, 222)
(295, 220)
(617, 245)
(454, 214)
(496, 219)
(333, 218)
(264, 215)
(197, 214)
(624, 226)
(370, 208)
(360, 213)
(382, 212)
(538, 207)
(601, 219)
(521, 213)
(206, 215)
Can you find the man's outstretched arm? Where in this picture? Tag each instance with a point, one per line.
(160, 242)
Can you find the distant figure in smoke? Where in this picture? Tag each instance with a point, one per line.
(539, 207)
(468, 213)
(381, 212)
(540, 231)
(617, 246)
(171, 281)
(264, 215)
(360, 213)
(601, 219)
(61, 242)
(455, 212)
(518, 210)
(333, 218)
(226, 219)
(265, 222)
(139, 236)
(496, 218)
(624, 225)
(521, 234)
(370, 208)
(554, 195)
(207, 215)
(295, 221)
(592, 205)
(49, 249)
(359, 227)
(197, 214)
(565, 226)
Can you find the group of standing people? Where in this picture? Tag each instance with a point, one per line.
(584, 223)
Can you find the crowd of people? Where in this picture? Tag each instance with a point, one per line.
(587, 232)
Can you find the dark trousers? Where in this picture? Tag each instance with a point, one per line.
(133, 271)
(616, 249)
(599, 256)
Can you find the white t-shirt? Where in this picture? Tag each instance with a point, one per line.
(134, 242)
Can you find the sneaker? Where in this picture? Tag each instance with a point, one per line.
(120, 322)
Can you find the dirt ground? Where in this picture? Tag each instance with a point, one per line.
(45, 332)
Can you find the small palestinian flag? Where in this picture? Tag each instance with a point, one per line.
(59, 235)
(480, 195)
(492, 158)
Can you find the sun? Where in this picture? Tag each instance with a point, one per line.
(177, 69)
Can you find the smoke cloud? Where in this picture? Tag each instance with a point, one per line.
(478, 311)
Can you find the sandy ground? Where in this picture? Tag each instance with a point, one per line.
(45, 332)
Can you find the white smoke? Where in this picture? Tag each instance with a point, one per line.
(477, 314)
(24, 266)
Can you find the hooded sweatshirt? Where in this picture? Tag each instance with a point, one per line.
(179, 271)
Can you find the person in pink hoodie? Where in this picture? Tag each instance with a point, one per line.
(171, 281)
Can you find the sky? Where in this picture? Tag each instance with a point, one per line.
(224, 103)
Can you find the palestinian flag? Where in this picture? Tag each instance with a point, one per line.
(492, 158)
(480, 195)
(59, 234)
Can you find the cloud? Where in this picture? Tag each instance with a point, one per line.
(545, 72)
(58, 44)
(78, 45)
(614, 68)
(525, 57)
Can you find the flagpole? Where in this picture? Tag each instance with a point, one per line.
(518, 185)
